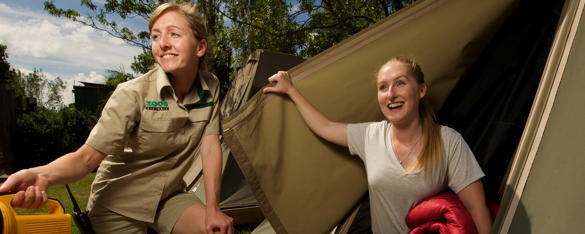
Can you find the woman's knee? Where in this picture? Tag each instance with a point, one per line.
(192, 220)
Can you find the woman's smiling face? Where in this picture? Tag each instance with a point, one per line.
(174, 46)
(399, 93)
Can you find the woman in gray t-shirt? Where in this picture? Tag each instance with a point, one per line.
(408, 156)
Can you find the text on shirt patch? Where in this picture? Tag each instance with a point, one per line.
(157, 105)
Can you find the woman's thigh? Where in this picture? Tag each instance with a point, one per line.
(181, 213)
(106, 221)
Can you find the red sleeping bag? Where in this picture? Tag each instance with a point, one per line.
(442, 213)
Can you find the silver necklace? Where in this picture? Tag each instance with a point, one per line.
(411, 149)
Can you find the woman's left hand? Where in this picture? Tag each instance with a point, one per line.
(218, 222)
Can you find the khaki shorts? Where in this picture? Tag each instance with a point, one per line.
(104, 220)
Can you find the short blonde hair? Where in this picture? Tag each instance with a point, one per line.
(193, 17)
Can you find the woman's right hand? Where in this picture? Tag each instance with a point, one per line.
(30, 189)
(280, 83)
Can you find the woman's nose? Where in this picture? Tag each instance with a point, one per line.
(390, 92)
(164, 42)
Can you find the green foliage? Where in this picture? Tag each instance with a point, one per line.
(54, 98)
(97, 17)
(46, 129)
(32, 85)
(114, 78)
(4, 65)
(44, 134)
(143, 62)
(37, 137)
(236, 28)
(76, 126)
(35, 86)
(8, 77)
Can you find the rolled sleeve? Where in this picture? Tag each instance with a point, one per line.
(213, 127)
(118, 118)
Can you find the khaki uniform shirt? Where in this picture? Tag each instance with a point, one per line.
(150, 140)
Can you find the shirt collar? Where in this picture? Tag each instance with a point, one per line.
(198, 93)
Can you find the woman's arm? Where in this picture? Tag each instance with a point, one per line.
(31, 184)
(473, 198)
(211, 158)
(331, 131)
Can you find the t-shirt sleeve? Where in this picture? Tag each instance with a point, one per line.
(462, 169)
(356, 138)
(118, 118)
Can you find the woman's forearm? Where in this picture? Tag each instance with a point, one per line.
(70, 167)
(331, 131)
(482, 220)
(211, 160)
(473, 198)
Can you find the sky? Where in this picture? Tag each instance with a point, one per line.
(60, 47)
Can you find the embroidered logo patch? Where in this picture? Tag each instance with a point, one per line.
(157, 105)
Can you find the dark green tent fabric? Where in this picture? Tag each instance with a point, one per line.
(306, 185)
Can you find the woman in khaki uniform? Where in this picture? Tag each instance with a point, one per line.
(146, 140)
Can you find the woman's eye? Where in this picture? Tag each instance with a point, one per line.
(382, 87)
(175, 35)
(154, 37)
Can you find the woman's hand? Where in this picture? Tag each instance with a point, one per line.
(218, 222)
(281, 83)
(31, 184)
(31, 189)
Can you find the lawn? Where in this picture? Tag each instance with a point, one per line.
(80, 190)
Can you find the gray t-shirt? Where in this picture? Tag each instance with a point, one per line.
(393, 192)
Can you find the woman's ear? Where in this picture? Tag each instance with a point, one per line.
(201, 47)
(422, 91)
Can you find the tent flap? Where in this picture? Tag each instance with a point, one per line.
(306, 185)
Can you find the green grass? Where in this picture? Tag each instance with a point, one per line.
(81, 190)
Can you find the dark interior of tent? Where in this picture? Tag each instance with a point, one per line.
(491, 103)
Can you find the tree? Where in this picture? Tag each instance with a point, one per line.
(46, 129)
(45, 93)
(4, 65)
(8, 76)
(54, 98)
(236, 28)
(33, 84)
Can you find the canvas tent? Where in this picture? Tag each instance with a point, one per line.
(236, 198)
(306, 185)
(544, 189)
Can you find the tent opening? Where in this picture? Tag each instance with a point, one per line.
(490, 104)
